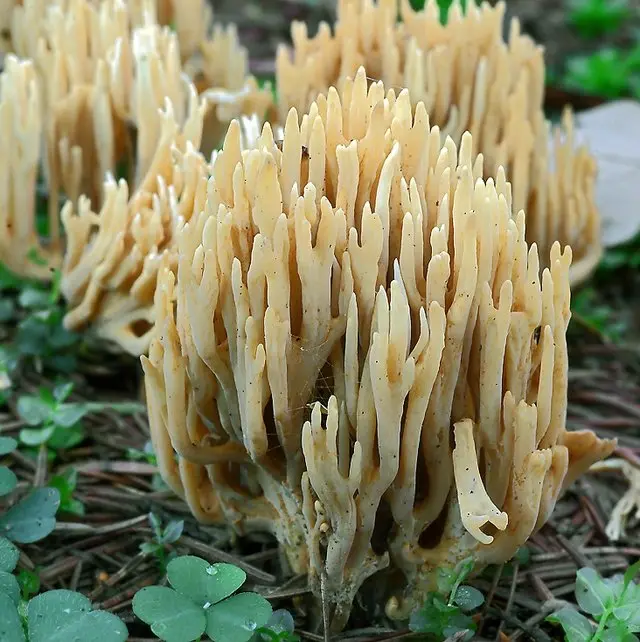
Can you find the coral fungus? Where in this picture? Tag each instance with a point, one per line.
(360, 354)
(470, 79)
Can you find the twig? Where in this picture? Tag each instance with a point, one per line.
(119, 575)
(580, 558)
(75, 577)
(535, 634)
(325, 609)
(512, 592)
(547, 608)
(74, 527)
(492, 591)
(116, 601)
(42, 467)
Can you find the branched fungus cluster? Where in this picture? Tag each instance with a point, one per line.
(470, 79)
(358, 351)
(105, 93)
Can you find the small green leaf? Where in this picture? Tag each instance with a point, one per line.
(10, 624)
(202, 582)
(237, 618)
(73, 507)
(31, 298)
(150, 548)
(171, 616)
(62, 391)
(65, 438)
(7, 445)
(9, 360)
(468, 598)
(9, 555)
(7, 310)
(630, 574)
(617, 632)
(156, 524)
(463, 568)
(592, 593)
(8, 480)
(461, 572)
(9, 586)
(629, 613)
(576, 626)
(36, 436)
(281, 621)
(615, 584)
(61, 338)
(65, 484)
(33, 518)
(67, 415)
(61, 616)
(426, 619)
(445, 578)
(33, 410)
(173, 531)
(522, 556)
(29, 583)
(47, 397)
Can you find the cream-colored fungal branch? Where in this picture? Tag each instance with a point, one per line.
(113, 255)
(470, 79)
(191, 19)
(21, 248)
(106, 68)
(360, 353)
(71, 39)
(30, 20)
(6, 10)
(220, 71)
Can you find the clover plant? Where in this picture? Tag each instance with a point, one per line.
(446, 612)
(202, 599)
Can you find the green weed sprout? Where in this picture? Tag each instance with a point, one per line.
(66, 483)
(593, 18)
(29, 583)
(613, 603)
(146, 454)
(53, 421)
(162, 537)
(446, 611)
(201, 599)
(38, 312)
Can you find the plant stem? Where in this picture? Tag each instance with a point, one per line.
(601, 623)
